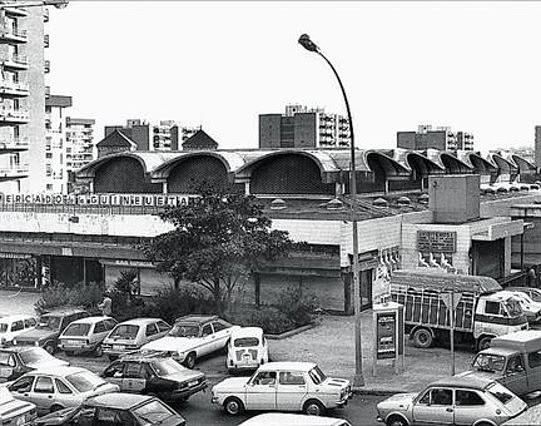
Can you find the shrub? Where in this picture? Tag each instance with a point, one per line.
(298, 308)
(269, 318)
(80, 295)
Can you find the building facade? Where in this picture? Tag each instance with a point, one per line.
(441, 138)
(55, 143)
(302, 127)
(80, 148)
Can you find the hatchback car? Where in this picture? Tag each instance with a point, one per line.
(13, 325)
(18, 360)
(247, 349)
(283, 386)
(129, 336)
(86, 335)
(49, 328)
(286, 419)
(193, 337)
(116, 409)
(464, 401)
(53, 389)
(155, 375)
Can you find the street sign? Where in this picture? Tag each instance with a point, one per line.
(451, 300)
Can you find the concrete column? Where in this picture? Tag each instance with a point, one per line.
(386, 187)
(347, 276)
(91, 186)
(507, 257)
(247, 188)
(165, 188)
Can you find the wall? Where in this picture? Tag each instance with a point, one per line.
(305, 130)
(196, 169)
(269, 130)
(124, 175)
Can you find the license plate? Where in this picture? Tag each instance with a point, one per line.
(118, 347)
(192, 383)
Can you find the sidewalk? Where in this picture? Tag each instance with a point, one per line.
(331, 344)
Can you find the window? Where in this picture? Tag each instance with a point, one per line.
(534, 359)
(291, 378)
(465, 398)
(109, 324)
(115, 371)
(108, 417)
(492, 308)
(151, 330)
(265, 378)
(7, 359)
(515, 365)
(29, 322)
(207, 330)
(61, 387)
(44, 385)
(133, 371)
(48, 155)
(163, 326)
(100, 327)
(24, 384)
(17, 326)
(441, 397)
(220, 325)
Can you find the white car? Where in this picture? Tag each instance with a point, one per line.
(193, 337)
(247, 349)
(283, 386)
(286, 419)
(13, 325)
(86, 335)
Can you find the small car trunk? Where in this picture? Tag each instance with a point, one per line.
(246, 354)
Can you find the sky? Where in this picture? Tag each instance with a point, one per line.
(474, 66)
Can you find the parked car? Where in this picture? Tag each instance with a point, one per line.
(193, 337)
(49, 328)
(282, 386)
(247, 349)
(129, 336)
(531, 309)
(533, 293)
(86, 335)
(116, 409)
(514, 360)
(18, 360)
(286, 419)
(53, 389)
(454, 400)
(13, 411)
(13, 325)
(155, 375)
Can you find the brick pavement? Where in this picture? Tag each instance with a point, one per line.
(331, 345)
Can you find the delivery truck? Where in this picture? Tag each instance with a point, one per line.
(482, 310)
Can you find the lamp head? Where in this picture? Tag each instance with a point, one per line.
(304, 41)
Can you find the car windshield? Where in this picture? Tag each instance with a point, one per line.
(152, 413)
(78, 329)
(85, 381)
(184, 330)
(245, 342)
(513, 308)
(35, 355)
(501, 393)
(50, 321)
(125, 331)
(317, 375)
(166, 367)
(3, 328)
(489, 362)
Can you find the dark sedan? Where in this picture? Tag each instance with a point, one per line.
(17, 360)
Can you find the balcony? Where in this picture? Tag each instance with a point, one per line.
(14, 171)
(13, 35)
(15, 11)
(47, 67)
(16, 62)
(46, 40)
(14, 144)
(45, 15)
(13, 89)
(11, 116)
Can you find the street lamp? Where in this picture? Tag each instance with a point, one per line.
(59, 4)
(358, 379)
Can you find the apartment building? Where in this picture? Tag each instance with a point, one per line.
(79, 147)
(439, 137)
(22, 98)
(303, 127)
(55, 143)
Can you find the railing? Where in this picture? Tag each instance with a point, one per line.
(16, 169)
(46, 40)
(14, 114)
(11, 85)
(47, 66)
(17, 11)
(81, 209)
(20, 60)
(11, 143)
(45, 15)
(15, 32)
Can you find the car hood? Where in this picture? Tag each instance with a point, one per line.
(234, 384)
(170, 343)
(335, 382)
(37, 334)
(398, 401)
(47, 364)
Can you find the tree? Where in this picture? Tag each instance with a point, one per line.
(216, 242)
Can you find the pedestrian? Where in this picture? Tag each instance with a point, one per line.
(106, 305)
(532, 278)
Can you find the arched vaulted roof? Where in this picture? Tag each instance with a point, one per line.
(444, 158)
(392, 168)
(523, 164)
(476, 161)
(504, 165)
(416, 160)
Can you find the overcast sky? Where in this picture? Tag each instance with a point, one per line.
(474, 66)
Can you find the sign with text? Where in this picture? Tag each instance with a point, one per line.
(436, 241)
(386, 335)
(106, 200)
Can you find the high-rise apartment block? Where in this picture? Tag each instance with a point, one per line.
(303, 127)
(442, 138)
(80, 147)
(22, 98)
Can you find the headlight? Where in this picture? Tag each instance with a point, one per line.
(36, 343)
(14, 341)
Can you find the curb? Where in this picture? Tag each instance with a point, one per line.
(375, 392)
(290, 332)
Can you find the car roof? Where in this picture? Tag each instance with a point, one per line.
(64, 311)
(469, 382)
(144, 357)
(140, 321)
(279, 419)
(247, 332)
(91, 320)
(16, 317)
(118, 400)
(499, 351)
(59, 370)
(199, 319)
(287, 365)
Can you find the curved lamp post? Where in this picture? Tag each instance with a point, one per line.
(358, 379)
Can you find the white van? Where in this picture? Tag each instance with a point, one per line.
(282, 419)
(247, 349)
(13, 325)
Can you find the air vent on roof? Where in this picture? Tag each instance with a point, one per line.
(423, 198)
(534, 186)
(524, 187)
(404, 201)
(278, 204)
(335, 204)
(380, 202)
(489, 190)
(502, 189)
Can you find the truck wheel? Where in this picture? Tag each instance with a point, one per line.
(484, 343)
(422, 338)
(233, 406)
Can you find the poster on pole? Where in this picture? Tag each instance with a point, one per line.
(386, 342)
